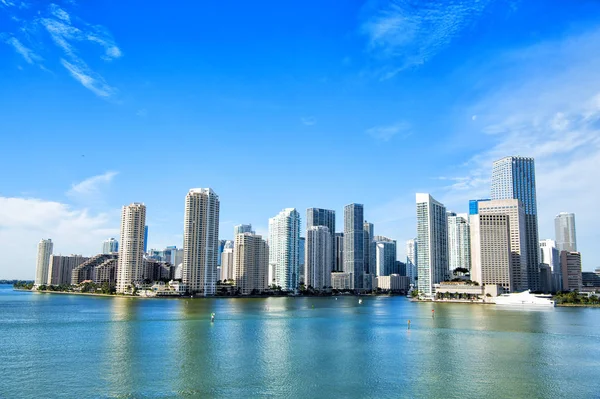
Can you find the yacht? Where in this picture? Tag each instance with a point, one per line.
(525, 299)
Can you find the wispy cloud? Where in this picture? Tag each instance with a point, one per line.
(386, 133)
(308, 120)
(88, 78)
(28, 54)
(92, 186)
(407, 33)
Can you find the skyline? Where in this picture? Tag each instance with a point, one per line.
(289, 94)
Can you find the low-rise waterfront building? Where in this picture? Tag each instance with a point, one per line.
(98, 269)
(393, 283)
(341, 281)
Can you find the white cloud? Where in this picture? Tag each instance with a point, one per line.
(27, 53)
(308, 121)
(385, 133)
(91, 187)
(88, 78)
(24, 221)
(408, 33)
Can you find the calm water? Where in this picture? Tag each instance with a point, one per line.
(66, 346)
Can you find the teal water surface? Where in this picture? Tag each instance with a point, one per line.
(68, 346)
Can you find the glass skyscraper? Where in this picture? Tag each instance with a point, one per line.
(354, 235)
(564, 229)
(514, 178)
(432, 243)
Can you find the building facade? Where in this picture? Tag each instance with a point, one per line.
(432, 243)
(324, 217)
(61, 268)
(549, 255)
(514, 178)
(342, 281)
(241, 229)
(570, 263)
(491, 250)
(459, 250)
(339, 252)
(45, 248)
(284, 249)
(564, 230)
(354, 257)
(131, 248)
(411, 260)
(251, 263)
(228, 264)
(201, 241)
(384, 256)
(318, 258)
(368, 248)
(110, 246)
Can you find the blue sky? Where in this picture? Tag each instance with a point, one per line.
(288, 104)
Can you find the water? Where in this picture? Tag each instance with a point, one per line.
(67, 346)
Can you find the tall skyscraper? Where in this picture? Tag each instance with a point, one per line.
(368, 247)
(564, 229)
(131, 248)
(514, 178)
(284, 251)
(339, 252)
(354, 236)
(61, 268)
(323, 217)
(384, 257)
(145, 239)
(518, 239)
(110, 246)
(411, 260)
(318, 257)
(459, 249)
(490, 250)
(251, 263)
(432, 243)
(201, 241)
(241, 229)
(45, 248)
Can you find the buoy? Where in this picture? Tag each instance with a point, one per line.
(359, 301)
(409, 324)
(212, 317)
(432, 313)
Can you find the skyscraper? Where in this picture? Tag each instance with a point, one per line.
(550, 256)
(284, 242)
(145, 239)
(518, 239)
(490, 246)
(570, 263)
(514, 178)
(251, 263)
(459, 250)
(564, 229)
(354, 256)
(131, 248)
(368, 247)
(241, 229)
(411, 260)
(432, 243)
(323, 217)
(45, 248)
(318, 257)
(227, 261)
(110, 246)
(339, 252)
(384, 258)
(301, 259)
(201, 241)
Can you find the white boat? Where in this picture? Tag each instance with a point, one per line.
(525, 299)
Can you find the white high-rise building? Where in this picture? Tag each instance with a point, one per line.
(354, 235)
(384, 257)
(241, 229)
(110, 246)
(369, 247)
(564, 229)
(227, 263)
(61, 268)
(284, 242)
(131, 248)
(411, 260)
(518, 240)
(324, 217)
(201, 241)
(251, 263)
(432, 243)
(459, 250)
(490, 250)
(550, 256)
(318, 257)
(45, 248)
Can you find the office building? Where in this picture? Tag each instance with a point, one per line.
(354, 261)
(251, 263)
(110, 246)
(368, 248)
(131, 247)
(324, 217)
(45, 248)
(514, 178)
(228, 263)
(61, 268)
(570, 263)
(384, 256)
(99, 269)
(201, 241)
(411, 260)
(392, 283)
(564, 229)
(241, 229)
(342, 281)
(459, 250)
(339, 252)
(474, 205)
(518, 240)
(491, 260)
(318, 258)
(549, 255)
(432, 243)
(284, 249)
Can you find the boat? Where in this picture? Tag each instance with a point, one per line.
(525, 299)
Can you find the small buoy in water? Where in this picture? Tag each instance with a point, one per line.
(212, 317)
(409, 324)
(432, 313)
(359, 301)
